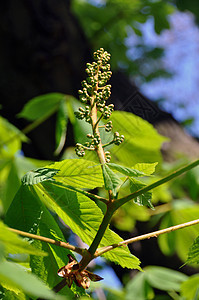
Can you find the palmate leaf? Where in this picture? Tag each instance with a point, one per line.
(111, 180)
(143, 199)
(72, 172)
(84, 217)
(28, 213)
(139, 136)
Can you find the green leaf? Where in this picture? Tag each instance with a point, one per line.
(164, 279)
(41, 106)
(143, 199)
(10, 138)
(30, 284)
(61, 126)
(28, 213)
(78, 173)
(193, 254)
(14, 244)
(139, 136)
(190, 288)
(125, 170)
(84, 217)
(39, 175)
(146, 168)
(111, 180)
(138, 288)
(180, 240)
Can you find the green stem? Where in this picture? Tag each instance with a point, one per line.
(110, 143)
(149, 187)
(100, 233)
(50, 241)
(103, 250)
(97, 122)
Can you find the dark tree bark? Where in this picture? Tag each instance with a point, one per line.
(42, 50)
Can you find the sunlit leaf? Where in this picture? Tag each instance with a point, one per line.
(139, 136)
(84, 217)
(78, 173)
(111, 180)
(143, 199)
(41, 106)
(125, 170)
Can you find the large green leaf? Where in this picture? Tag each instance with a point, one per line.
(15, 275)
(14, 244)
(41, 106)
(139, 136)
(111, 180)
(84, 217)
(143, 199)
(78, 173)
(163, 278)
(29, 214)
(71, 172)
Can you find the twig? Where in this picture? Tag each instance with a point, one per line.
(81, 251)
(149, 187)
(145, 236)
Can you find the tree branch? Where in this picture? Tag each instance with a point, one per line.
(103, 250)
(149, 187)
(81, 251)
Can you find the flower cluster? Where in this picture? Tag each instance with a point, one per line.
(118, 139)
(71, 273)
(94, 93)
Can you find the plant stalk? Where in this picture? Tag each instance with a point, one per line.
(103, 250)
(100, 233)
(50, 241)
(149, 187)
